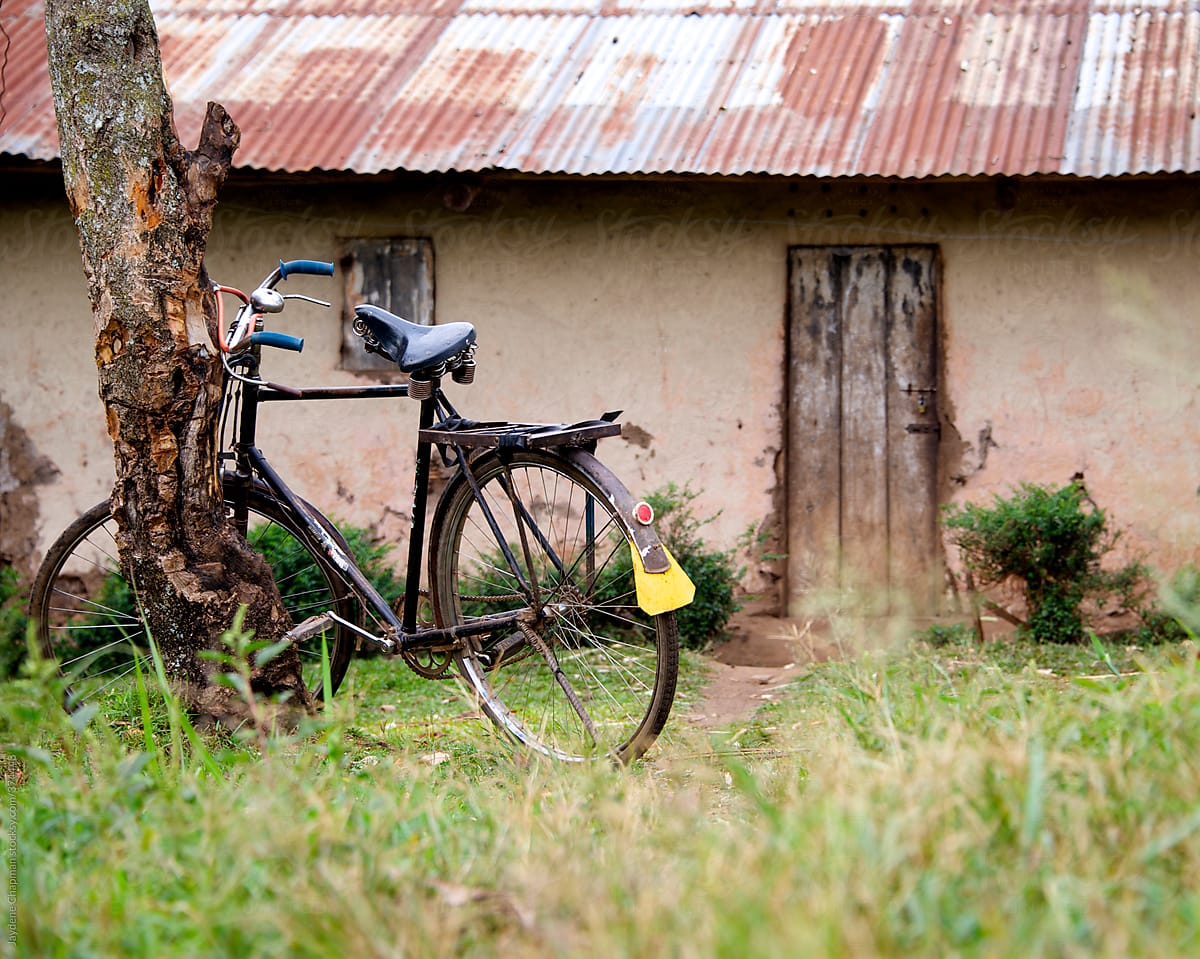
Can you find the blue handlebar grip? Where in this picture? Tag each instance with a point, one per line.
(313, 267)
(280, 341)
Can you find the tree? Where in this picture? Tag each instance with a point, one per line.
(143, 207)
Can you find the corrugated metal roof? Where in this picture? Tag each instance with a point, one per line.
(792, 87)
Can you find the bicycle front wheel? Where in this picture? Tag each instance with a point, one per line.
(87, 616)
(585, 673)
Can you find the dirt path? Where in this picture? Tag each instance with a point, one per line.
(764, 654)
(759, 659)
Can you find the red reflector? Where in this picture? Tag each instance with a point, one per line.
(643, 513)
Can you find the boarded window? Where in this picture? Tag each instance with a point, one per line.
(395, 273)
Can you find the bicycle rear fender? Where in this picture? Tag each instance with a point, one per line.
(661, 583)
(661, 592)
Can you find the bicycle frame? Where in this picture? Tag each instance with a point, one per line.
(242, 346)
(541, 572)
(250, 462)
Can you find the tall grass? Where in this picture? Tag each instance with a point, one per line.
(922, 801)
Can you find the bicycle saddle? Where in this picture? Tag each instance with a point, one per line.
(409, 345)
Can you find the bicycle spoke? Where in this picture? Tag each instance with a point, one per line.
(589, 680)
(93, 691)
(87, 616)
(89, 604)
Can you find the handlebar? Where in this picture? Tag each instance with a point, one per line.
(312, 267)
(242, 333)
(280, 341)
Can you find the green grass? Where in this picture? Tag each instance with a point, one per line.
(929, 800)
(385, 706)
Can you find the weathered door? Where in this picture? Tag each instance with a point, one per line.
(863, 426)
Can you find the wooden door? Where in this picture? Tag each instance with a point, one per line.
(863, 427)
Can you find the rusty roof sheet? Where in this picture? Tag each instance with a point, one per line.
(790, 87)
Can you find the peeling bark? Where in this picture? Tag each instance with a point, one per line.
(143, 208)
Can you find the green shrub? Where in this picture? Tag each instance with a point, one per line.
(1178, 618)
(1051, 542)
(14, 624)
(374, 559)
(298, 577)
(712, 571)
(946, 634)
(106, 631)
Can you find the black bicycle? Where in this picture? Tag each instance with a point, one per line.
(549, 590)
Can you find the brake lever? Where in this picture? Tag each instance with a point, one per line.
(307, 299)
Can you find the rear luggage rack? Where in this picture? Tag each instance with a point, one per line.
(470, 434)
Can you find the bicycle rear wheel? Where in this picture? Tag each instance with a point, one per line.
(587, 673)
(88, 622)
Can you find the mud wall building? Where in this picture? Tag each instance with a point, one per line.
(830, 303)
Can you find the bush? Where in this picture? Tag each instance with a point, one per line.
(948, 634)
(293, 568)
(14, 624)
(1179, 617)
(712, 571)
(1049, 540)
(298, 578)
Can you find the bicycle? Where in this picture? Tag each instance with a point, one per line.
(550, 591)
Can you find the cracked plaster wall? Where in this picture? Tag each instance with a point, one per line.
(1067, 334)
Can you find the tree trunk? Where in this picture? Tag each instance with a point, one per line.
(143, 208)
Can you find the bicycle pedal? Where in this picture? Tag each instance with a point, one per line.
(310, 627)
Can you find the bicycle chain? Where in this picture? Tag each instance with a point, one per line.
(485, 598)
(433, 664)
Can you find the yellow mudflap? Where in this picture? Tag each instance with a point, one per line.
(661, 592)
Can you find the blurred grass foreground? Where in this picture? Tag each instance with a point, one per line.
(934, 799)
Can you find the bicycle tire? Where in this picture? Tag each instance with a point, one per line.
(621, 664)
(79, 591)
